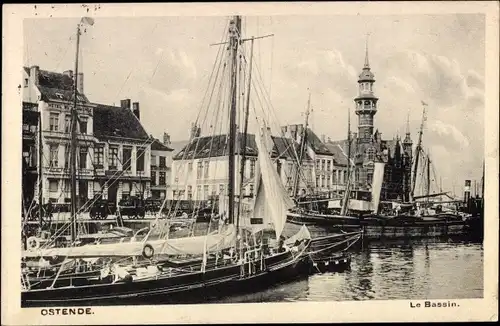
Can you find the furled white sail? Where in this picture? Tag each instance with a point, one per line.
(179, 246)
(378, 179)
(272, 200)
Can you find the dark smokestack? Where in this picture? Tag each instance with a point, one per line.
(467, 192)
(125, 104)
(136, 110)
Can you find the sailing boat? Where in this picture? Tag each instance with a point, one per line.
(397, 224)
(240, 267)
(342, 220)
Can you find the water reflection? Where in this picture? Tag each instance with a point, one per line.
(425, 269)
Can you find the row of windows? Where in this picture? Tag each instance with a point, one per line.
(162, 178)
(327, 180)
(54, 123)
(324, 165)
(113, 157)
(306, 172)
(366, 104)
(82, 187)
(203, 169)
(163, 161)
(367, 87)
(205, 192)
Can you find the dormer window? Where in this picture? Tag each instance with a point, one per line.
(59, 96)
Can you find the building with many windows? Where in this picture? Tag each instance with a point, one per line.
(161, 163)
(53, 95)
(122, 153)
(30, 145)
(113, 149)
(329, 169)
(200, 169)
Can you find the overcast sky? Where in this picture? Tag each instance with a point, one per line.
(164, 63)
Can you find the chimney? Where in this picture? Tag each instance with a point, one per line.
(467, 192)
(283, 131)
(300, 129)
(136, 110)
(195, 131)
(125, 103)
(35, 74)
(79, 85)
(166, 139)
(323, 138)
(68, 73)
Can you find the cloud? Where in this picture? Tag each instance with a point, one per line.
(399, 83)
(164, 108)
(448, 136)
(438, 78)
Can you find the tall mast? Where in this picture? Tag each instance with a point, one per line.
(303, 142)
(74, 142)
(40, 169)
(482, 183)
(245, 131)
(345, 204)
(428, 176)
(418, 149)
(235, 32)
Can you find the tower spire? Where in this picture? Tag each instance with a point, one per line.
(367, 62)
(408, 124)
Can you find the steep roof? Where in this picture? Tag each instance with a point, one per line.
(215, 146)
(316, 144)
(56, 86)
(112, 121)
(159, 146)
(336, 148)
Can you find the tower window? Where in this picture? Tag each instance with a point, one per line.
(371, 154)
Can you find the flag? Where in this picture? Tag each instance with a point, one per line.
(423, 103)
(88, 21)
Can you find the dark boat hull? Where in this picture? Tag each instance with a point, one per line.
(373, 231)
(378, 227)
(193, 287)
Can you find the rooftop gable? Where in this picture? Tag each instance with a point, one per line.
(159, 146)
(117, 122)
(217, 145)
(56, 86)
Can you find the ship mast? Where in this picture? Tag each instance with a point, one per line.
(245, 131)
(235, 32)
(40, 169)
(418, 149)
(428, 176)
(345, 204)
(303, 142)
(74, 119)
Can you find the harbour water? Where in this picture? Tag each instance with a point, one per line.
(421, 269)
